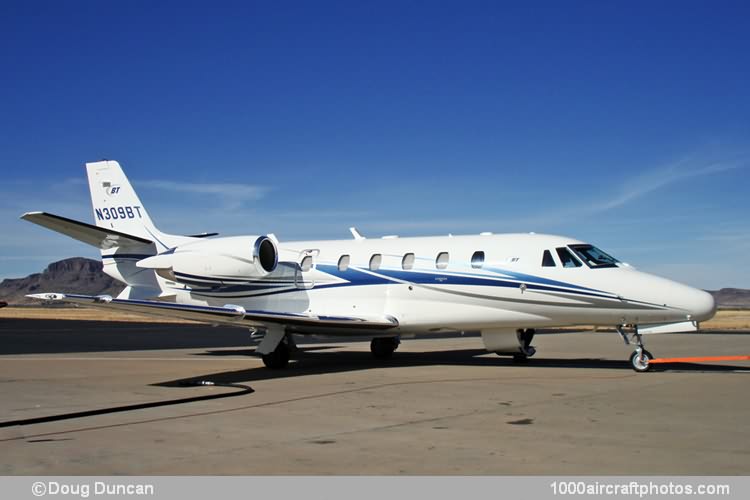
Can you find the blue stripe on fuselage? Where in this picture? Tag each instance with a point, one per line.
(353, 276)
(361, 277)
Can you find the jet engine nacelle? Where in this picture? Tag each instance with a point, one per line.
(223, 260)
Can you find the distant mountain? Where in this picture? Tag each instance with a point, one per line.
(75, 275)
(732, 298)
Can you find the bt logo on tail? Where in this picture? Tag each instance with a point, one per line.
(110, 189)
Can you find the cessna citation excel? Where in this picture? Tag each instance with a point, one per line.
(505, 286)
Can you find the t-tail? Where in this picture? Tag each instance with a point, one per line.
(123, 230)
(117, 206)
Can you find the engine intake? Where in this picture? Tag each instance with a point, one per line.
(216, 261)
(266, 254)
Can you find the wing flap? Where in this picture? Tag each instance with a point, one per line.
(228, 314)
(87, 233)
(149, 307)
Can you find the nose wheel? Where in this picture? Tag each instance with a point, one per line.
(640, 359)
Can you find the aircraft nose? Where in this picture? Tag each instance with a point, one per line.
(701, 305)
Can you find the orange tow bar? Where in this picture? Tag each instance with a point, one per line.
(701, 359)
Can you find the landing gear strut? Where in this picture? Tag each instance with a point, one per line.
(641, 358)
(526, 350)
(383, 347)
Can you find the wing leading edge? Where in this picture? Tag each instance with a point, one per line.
(227, 315)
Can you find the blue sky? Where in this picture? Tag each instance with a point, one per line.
(626, 124)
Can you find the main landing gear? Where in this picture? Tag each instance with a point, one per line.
(383, 347)
(525, 349)
(641, 358)
(278, 358)
(276, 348)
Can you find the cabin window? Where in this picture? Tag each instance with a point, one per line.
(567, 259)
(375, 262)
(344, 263)
(407, 262)
(441, 262)
(593, 257)
(477, 260)
(547, 260)
(306, 264)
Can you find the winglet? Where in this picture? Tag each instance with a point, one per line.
(356, 234)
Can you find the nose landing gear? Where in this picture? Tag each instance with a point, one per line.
(641, 358)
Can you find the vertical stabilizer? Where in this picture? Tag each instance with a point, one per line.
(116, 204)
(117, 207)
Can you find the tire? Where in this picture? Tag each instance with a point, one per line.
(277, 359)
(520, 358)
(382, 348)
(639, 365)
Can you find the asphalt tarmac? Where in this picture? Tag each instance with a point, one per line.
(439, 406)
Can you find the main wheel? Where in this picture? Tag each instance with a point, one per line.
(520, 358)
(382, 348)
(641, 363)
(277, 359)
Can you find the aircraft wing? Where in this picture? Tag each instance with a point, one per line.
(227, 315)
(87, 233)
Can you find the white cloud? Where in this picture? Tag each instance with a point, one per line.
(651, 180)
(632, 188)
(231, 195)
(308, 214)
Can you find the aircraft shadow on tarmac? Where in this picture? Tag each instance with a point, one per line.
(30, 336)
(59, 337)
(314, 360)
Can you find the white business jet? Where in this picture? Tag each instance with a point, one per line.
(505, 286)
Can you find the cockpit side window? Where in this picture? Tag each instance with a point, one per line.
(566, 258)
(547, 260)
(593, 257)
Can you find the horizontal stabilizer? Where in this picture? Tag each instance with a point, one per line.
(202, 235)
(228, 314)
(99, 237)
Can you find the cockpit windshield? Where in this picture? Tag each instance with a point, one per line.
(566, 258)
(593, 257)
